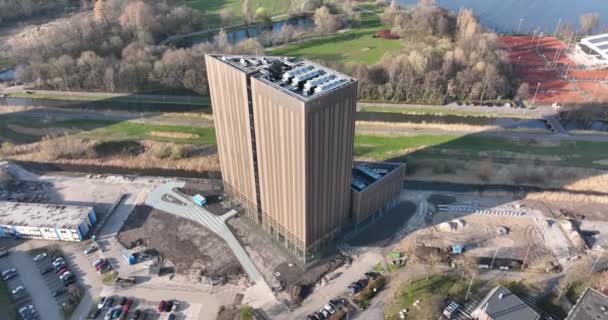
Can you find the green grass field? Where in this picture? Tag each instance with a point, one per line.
(213, 7)
(435, 289)
(577, 154)
(354, 46)
(5, 62)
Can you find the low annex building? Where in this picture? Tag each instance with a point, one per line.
(45, 221)
(501, 304)
(594, 48)
(375, 187)
(592, 305)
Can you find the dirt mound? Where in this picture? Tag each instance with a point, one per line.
(184, 243)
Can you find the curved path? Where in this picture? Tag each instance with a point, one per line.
(216, 224)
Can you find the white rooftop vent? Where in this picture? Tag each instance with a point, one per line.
(296, 71)
(317, 81)
(305, 76)
(330, 85)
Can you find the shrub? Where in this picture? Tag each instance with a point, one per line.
(65, 147)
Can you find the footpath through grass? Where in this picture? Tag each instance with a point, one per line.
(353, 46)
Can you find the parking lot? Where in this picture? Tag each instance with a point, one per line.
(35, 290)
(52, 280)
(183, 311)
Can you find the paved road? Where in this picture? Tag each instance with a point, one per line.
(217, 224)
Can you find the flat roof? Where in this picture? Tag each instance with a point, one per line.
(598, 44)
(42, 215)
(592, 305)
(502, 304)
(368, 173)
(298, 77)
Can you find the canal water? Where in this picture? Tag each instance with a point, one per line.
(527, 15)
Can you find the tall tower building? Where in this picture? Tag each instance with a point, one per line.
(285, 129)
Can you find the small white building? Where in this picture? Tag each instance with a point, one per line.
(45, 221)
(594, 49)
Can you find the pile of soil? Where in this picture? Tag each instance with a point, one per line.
(186, 244)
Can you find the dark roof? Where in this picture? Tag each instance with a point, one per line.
(592, 305)
(501, 304)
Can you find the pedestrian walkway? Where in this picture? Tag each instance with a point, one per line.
(216, 224)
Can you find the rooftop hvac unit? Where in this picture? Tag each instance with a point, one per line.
(318, 81)
(330, 85)
(296, 71)
(369, 172)
(305, 76)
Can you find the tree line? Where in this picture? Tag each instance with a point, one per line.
(114, 49)
(448, 57)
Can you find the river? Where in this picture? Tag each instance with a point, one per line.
(504, 15)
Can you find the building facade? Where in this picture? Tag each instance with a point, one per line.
(45, 221)
(375, 188)
(285, 131)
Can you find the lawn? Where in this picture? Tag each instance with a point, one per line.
(213, 7)
(5, 63)
(415, 109)
(431, 293)
(577, 154)
(138, 131)
(354, 46)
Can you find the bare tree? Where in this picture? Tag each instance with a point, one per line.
(576, 272)
(394, 5)
(427, 3)
(248, 11)
(589, 21)
(98, 11)
(325, 21)
(227, 16)
(523, 91)
(137, 16)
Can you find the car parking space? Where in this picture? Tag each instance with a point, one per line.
(14, 283)
(51, 277)
(140, 307)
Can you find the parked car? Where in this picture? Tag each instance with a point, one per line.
(161, 306)
(122, 301)
(90, 249)
(108, 315)
(8, 271)
(98, 261)
(18, 290)
(110, 301)
(47, 270)
(40, 256)
(354, 288)
(101, 265)
(143, 315)
(9, 276)
(69, 281)
(325, 313)
(135, 315)
(59, 292)
(363, 282)
(168, 306)
(61, 270)
(451, 309)
(116, 312)
(94, 314)
(372, 275)
(128, 305)
(175, 306)
(313, 316)
(330, 308)
(59, 266)
(172, 316)
(58, 261)
(66, 275)
(28, 309)
(102, 302)
(104, 269)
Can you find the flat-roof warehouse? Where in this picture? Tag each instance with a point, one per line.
(46, 221)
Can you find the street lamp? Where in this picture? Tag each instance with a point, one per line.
(535, 93)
